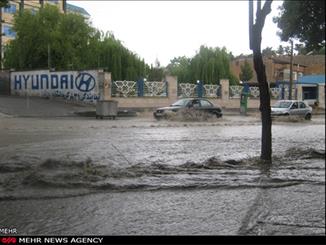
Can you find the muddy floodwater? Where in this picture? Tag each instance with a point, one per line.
(136, 176)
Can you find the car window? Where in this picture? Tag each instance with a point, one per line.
(302, 105)
(205, 103)
(282, 104)
(195, 103)
(182, 102)
(294, 105)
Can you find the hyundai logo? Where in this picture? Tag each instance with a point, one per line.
(85, 82)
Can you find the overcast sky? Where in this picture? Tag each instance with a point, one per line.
(168, 29)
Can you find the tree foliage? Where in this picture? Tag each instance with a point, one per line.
(208, 65)
(283, 50)
(180, 67)
(4, 3)
(303, 20)
(268, 52)
(155, 73)
(70, 43)
(246, 72)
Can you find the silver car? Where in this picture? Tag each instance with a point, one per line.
(291, 108)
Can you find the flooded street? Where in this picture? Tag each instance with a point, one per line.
(78, 176)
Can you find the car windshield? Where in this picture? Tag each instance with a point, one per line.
(282, 104)
(182, 102)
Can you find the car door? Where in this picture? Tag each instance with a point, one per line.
(294, 110)
(303, 109)
(206, 106)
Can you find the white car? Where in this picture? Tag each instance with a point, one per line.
(291, 108)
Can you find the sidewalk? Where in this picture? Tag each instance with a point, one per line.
(40, 107)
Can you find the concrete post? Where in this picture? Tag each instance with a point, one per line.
(5, 82)
(321, 95)
(107, 86)
(224, 89)
(299, 92)
(172, 83)
(104, 85)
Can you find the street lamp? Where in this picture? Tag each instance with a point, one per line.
(291, 71)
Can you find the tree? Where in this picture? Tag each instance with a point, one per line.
(155, 73)
(67, 41)
(4, 3)
(180, 67)
(301, 49)
(255, 33)
(281, 50)
(246, 72)
(208, 65)
(268, 51)
(303, 20)
(242, 56)
(47, 38)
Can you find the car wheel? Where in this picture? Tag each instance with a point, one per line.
(218, 115)
(308, 116)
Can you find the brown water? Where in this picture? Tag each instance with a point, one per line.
(139, 176)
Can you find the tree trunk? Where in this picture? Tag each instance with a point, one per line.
(265, 108)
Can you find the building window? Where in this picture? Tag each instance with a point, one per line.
(54, 1)
(7, 31)
(286, 75)
(11, 9)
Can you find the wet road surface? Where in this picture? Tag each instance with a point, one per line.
(81, 176)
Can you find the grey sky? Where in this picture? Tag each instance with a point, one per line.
(168, 29)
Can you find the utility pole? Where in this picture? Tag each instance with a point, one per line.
(21, 6)
(64, 6)
(49, 56)
(1, 34)
(291, 71)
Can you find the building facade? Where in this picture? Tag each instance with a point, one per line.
(278, 68)
(77, 10)
(7, 14)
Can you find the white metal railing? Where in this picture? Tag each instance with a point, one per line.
(187, 89)
(155, 88)
(211, 90)
(125, 88)
(235, 91)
